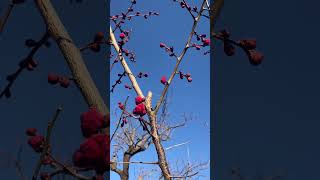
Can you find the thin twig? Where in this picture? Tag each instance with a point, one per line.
(125, 103)
(46, 149)
(15, 75)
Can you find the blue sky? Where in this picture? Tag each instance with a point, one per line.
(172, 27)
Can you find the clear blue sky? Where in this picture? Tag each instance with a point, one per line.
(172, 27)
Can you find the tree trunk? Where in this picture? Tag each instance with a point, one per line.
(125, 168)
(163, 163)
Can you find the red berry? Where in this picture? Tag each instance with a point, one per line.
(94, 153)
(139, 100)
(206, 42)
(255, 57)
(53, 78)
(31, 131)
(162, 45)
(122, 35)
(36, 142)
(140, 109)
(189, 79)
(164, 80)
(91, 122)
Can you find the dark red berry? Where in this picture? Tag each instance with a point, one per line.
(91, 122)
(94, 153)
(255, 57)
(99, 37)
(140, 109)
(53, 78)
(36, 142)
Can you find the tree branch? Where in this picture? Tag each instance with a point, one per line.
(127, 69)
(72, 56)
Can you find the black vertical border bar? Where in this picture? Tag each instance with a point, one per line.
(212, 163)
(107, 6)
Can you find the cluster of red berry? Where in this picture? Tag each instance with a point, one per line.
(248, 45)
(140, 108)
(202, 38)
(187, 75)
(62, 80)
(93, 153)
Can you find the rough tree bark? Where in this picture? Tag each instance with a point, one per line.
(72, 56)
(162, 160)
